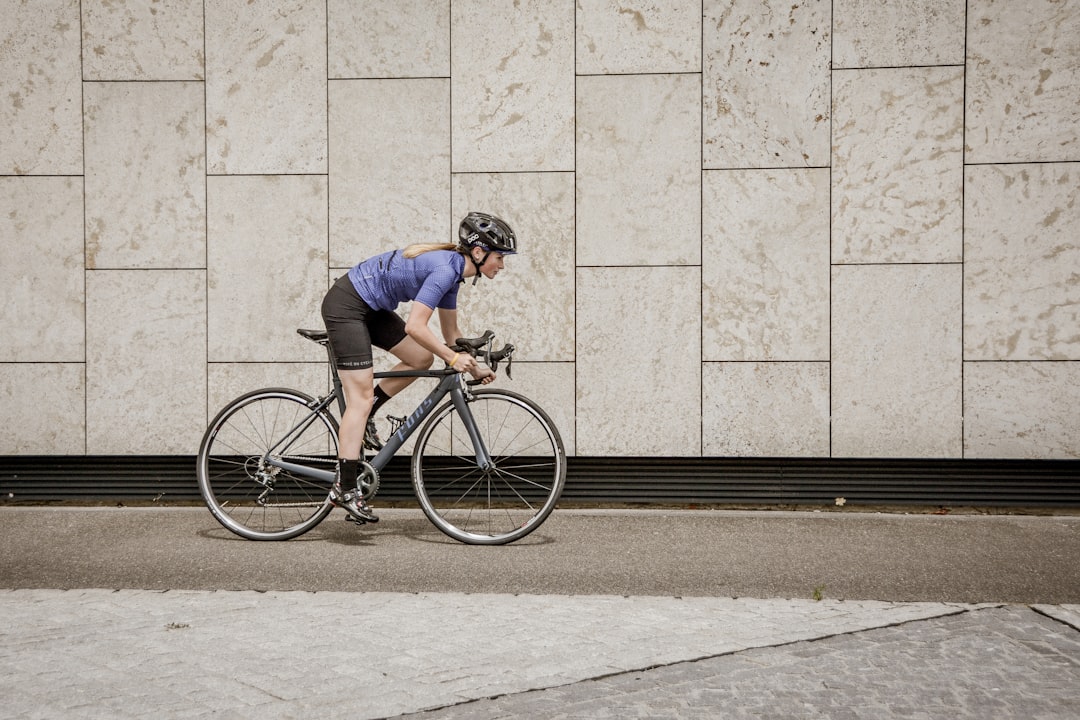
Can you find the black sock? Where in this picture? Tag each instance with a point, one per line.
(348, 470)
(380, 398)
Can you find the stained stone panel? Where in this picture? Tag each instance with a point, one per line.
(267, 267)
(898, 165)
(896, 364)
(639, 372)
(142, 40)
(41, 270)
(513, 85)
(551, 386)
(228, 381)
(898, 33)
(145, 175)
(406, 38)
(390, 179)
(531, 302)
(1022, 410)
(766, 86)
(42, 409)
(768, 409)
(638, 37)
(145, 361)
(1023, 71)
(266, 87)
(639, 170)
(765, 269)
(41, 87)
(1021, 262)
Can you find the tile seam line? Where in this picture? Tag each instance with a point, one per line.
(1035, 609)
(956, 611)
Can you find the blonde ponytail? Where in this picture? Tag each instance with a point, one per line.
(420, 248)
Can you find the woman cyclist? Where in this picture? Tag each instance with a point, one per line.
(358, 312)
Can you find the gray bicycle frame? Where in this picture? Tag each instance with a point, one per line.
(452, 384)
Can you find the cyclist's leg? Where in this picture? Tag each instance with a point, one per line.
(347, 317)
(412, 356)
(388, 333)
(359, 386)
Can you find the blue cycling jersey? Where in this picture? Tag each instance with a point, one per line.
(389, 279)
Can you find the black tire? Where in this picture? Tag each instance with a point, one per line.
(513, 497)
(245, 494)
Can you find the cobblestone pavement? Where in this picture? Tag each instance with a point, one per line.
(988, 663)
(179, 654)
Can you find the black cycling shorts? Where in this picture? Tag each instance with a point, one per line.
(353, 327)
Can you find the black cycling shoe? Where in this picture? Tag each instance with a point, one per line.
(371, 436)
(353, 503)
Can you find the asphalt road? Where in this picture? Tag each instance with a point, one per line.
(838, 555)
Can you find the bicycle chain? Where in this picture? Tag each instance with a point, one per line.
(369, 489)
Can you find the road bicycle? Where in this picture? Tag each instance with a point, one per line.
(488, 465)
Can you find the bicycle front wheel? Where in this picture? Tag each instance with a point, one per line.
(244, 492)
(512, 497)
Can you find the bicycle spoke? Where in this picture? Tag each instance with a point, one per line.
(246, 494)
(506, 501)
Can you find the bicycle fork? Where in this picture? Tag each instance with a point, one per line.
(483, 458)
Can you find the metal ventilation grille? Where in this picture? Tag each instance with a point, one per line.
(599, 481)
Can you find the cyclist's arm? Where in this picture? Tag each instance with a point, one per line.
(448, 322)
(417, 328)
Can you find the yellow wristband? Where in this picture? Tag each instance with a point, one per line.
(456, 356)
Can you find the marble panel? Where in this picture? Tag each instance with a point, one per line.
(898, 33)
(1023, 71)
(898, 169)
(531, 302)
(1022, 262)
(145, 361)
(406, 38)
(766, 409)
(145, 175)
(638, 361)
(551, 386)
(639, 170)
(513, 85)
(41, 269)
(390, 179)
(1022, 410)
(266, 87)
(228, 381)
(766, 85)
(765, 270)
(267, 267)
(638, 37)
(896, 364)
(41, 83)
(142, 40)
(42, 409)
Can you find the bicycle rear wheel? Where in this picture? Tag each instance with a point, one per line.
(510, 499)
(247, 495)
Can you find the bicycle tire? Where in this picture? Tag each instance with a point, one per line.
(250, 498)
(511, 499)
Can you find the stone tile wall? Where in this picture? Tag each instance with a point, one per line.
(750, 228)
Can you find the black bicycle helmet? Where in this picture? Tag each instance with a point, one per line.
(487, 231)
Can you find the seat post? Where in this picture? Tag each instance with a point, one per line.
(339, 393)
